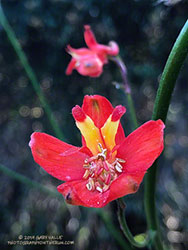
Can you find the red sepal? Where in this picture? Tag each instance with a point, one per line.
(78, 114)
(89, 37)
(118, 112)
(141, 148)
(70, 66)
(98, 108)
(124, 185)
(76, 193)
(58, 158)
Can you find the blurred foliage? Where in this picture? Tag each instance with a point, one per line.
(145, 31)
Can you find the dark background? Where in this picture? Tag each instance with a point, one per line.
(145, 31)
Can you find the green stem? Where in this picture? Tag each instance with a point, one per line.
(132, 111)
(30, 73)
(112, 229)
(164, 94)
(33, 184)
(125, 228)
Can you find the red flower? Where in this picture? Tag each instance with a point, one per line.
(85, 61)
(108, 165)
(89, 62)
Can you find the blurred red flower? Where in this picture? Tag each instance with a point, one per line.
(108, 165)
(85, 61)
(89, 62)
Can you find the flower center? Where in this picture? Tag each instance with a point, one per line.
(100, 173)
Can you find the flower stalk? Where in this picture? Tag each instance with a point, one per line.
(30, 73)
(162, 102)
(127, 89)
(125, 228)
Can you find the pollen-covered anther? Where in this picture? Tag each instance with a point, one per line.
(86, 174)
(118, 167)
(90, 185)
(120, 160)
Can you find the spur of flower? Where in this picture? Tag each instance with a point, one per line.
(108, 165)
(89, 61)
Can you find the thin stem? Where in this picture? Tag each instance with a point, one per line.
(162, 102)
(123, 71)
(127, 89)
(132, 111)
(112, 229)
(25, 180)
(30, 73)
(125, 228)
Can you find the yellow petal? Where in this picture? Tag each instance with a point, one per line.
(109, 131)
(91, 134)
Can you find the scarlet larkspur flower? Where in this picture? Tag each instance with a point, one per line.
(85, 61)
(89, 61)
(108, 165)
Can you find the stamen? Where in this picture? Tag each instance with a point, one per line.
(99, 189)
(118, 168)
(86, 165)
(86, 174)
(105, 187)
(106, 166)
(89, 187)
(100, 148)
(120, 160)
(119, 165)
(101, 173)
(102, 178)
(108, 179)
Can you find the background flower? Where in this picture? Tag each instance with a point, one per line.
(89, 62)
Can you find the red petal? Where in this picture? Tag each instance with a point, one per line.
(120, 136)
(141, 148)
(118, 112)
(58, 158)
(89, 37)
(70, 67)
(78, 114)
(76, 193)
(98, 108)
(70, 197)
(123, 185)
(79, 52)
